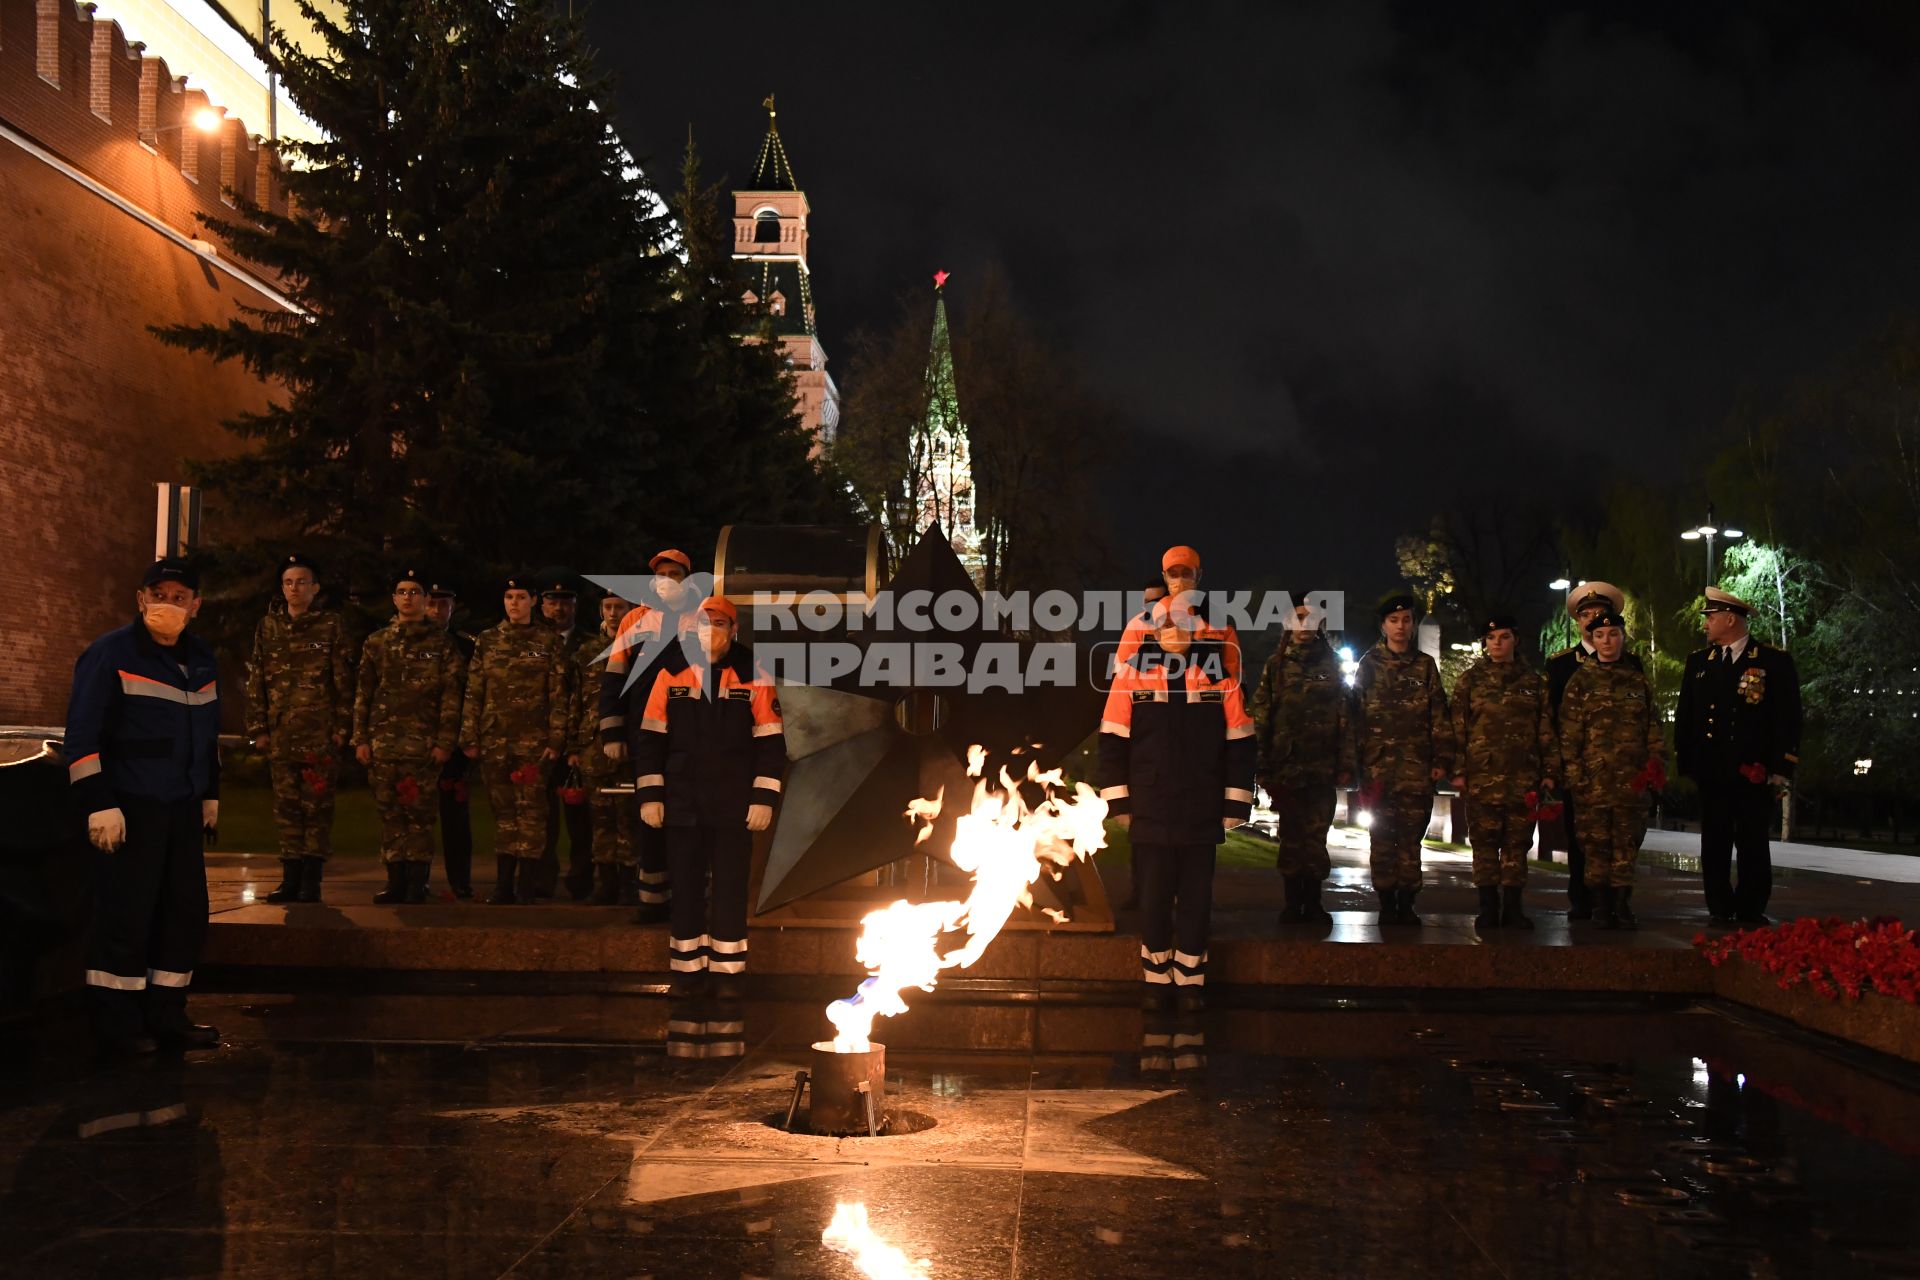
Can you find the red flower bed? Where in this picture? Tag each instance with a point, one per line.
(1835, 957)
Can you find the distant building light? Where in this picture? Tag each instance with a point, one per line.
(1861, 768)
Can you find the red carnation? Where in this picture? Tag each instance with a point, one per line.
(572, 795)
(1754, 773)
(316, 781)
(1652, 776)
(460, 792)
(407, 789)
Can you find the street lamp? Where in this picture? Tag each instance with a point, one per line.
(206, 120)
(1708, 532)
(1559, 584)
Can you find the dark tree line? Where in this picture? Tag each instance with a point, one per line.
(507, 351)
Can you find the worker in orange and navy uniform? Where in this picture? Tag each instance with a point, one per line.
(642, 643)
(1176, 769)
(709, 763)
(142, 744)
(1180, 570)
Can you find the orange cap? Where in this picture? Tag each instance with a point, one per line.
(678, 557)
(1180, 555)
(720, 607)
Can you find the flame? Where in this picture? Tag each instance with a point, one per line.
(1006, 845)
(849, 1233)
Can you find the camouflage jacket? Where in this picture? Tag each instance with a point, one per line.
(1503, 734)
(589, 665)
(1609, 728)
(300, 682)
(408, 700)
(517, 691)
(1400, 720)
(1302, 725)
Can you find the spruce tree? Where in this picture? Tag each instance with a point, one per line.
(476, 262)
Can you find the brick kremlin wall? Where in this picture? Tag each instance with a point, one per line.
(93, 409)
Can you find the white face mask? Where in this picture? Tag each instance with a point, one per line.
(165, 621)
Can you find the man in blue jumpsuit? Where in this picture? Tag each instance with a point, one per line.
(142, 745)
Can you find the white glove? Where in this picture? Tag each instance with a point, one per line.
(615, 750)
(107, 829)
(759, 817)
(653, 813)
(209, 813)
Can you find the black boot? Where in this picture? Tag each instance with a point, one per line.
(1623, 909)
(1512, 914)
(289, 890)
(581, 877)
(417, 873)
(1290, 914)
(396, 890)
(1406, 906)
(503, 881)
(1310, 909)
(1489, 917)
(311, 871)
(1603, 908)
(629, 879)
(606, 888)
(1389, 906)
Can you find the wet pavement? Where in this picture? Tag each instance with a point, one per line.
(634, 1136)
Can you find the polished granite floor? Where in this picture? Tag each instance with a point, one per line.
(631, 1136)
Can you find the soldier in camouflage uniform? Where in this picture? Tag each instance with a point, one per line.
(1504, 737)
(515, 725)
(406, 723)
(559, 609)
(299, 711)
(1405, 746)
(614, 816)
(456, 810)
(1305, 742)
(1612, 748)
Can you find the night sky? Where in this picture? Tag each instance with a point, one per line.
(1341, 263)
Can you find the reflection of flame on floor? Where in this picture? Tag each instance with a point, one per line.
(1006, 846)
(849, 1233)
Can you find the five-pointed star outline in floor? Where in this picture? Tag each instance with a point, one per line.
(668, 1165)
